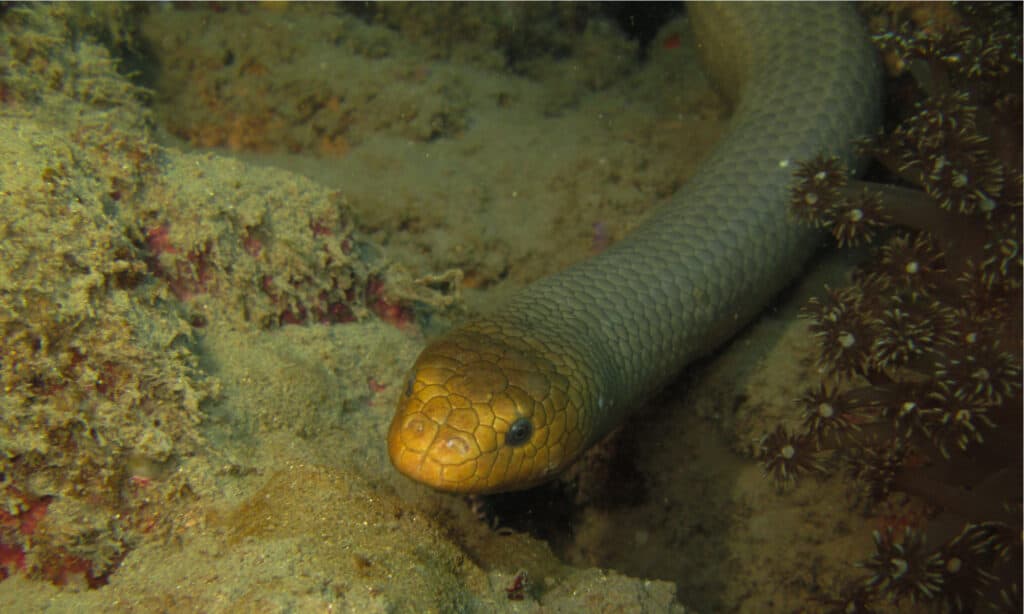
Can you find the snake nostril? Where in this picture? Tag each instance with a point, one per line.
(457, 445)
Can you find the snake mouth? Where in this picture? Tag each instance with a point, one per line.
(435, 454)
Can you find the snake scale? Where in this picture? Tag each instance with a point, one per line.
(507, 401)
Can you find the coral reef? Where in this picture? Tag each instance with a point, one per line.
(114, 254)
(920, 355)
(101, 393)
(275, 254)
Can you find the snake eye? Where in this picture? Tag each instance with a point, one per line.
(519, 433)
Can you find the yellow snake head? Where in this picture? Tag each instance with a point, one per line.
(482, 413)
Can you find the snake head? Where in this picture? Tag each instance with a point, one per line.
(480, 413)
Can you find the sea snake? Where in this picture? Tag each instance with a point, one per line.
(507, 401)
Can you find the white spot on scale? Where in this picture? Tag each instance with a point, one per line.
(457, 444)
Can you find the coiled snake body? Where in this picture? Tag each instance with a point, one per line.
(508, 400)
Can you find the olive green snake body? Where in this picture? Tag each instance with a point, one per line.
(509, 400)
